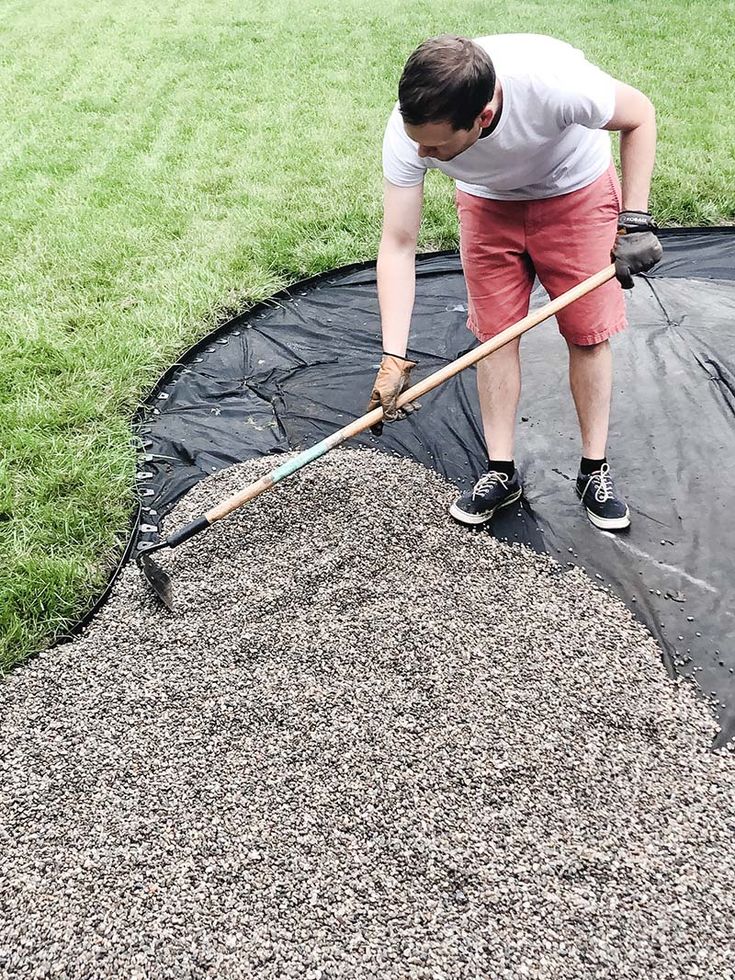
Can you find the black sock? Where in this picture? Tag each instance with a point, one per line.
(505, 466)
(588, 466)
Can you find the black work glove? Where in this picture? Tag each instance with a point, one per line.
(636, 247)
(391, 380)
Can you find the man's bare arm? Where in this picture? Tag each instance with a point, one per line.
(636, 248)
(635, 118)
(397, 263)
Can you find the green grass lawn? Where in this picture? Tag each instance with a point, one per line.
(166, 163)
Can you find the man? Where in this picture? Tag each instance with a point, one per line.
(520, 121)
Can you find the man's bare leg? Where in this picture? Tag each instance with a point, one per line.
(499, 387)
(590, 378)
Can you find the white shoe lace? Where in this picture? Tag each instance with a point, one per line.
(604, 489)
(489, 481)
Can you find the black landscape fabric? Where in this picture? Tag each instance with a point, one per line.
(294, 369)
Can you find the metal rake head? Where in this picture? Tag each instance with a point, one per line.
(157, 577)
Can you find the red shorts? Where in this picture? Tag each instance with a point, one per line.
(563, 240)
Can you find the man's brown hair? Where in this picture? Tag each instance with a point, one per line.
(446, 79)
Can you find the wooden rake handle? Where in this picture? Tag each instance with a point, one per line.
(411, 394)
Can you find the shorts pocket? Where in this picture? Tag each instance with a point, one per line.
(614, 184)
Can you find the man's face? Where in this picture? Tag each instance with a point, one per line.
(441, 141)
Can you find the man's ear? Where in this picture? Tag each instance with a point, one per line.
(486, 116)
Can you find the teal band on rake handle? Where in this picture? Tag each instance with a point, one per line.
(303, 459)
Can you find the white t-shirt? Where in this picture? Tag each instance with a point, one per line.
(548, 140)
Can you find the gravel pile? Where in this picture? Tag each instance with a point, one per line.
(371, 743)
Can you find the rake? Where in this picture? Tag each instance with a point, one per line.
(159, 579)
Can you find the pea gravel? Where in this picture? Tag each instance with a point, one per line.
(370, 743)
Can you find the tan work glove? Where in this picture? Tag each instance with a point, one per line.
(391, 380)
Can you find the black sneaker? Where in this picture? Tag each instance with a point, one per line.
(491, 492)
(605, 508)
